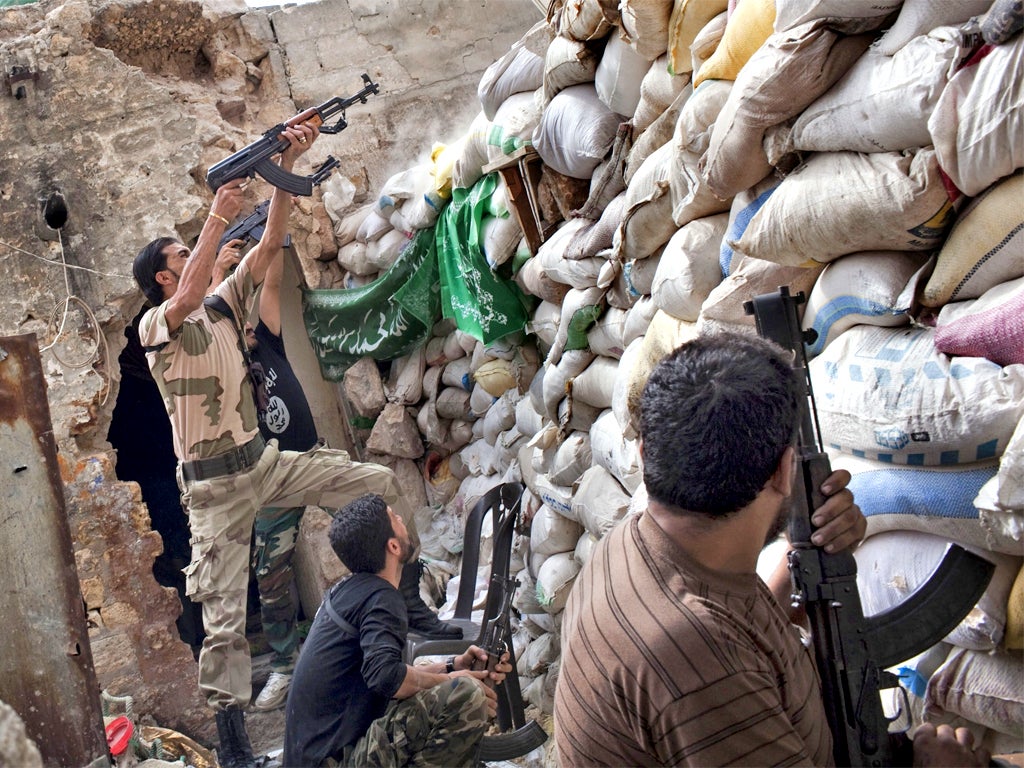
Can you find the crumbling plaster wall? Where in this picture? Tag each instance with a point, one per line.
(110, 115)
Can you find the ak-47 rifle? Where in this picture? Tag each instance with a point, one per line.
(853, 651)
(256, 158)
(252, 227)
(495, 638)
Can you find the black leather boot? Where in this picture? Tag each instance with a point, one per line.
(235, 751)
(422, 620)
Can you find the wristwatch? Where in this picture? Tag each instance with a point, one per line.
(449, 666)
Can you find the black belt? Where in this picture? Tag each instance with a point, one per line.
(228, 463)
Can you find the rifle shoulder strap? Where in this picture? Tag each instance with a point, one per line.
(334, 616)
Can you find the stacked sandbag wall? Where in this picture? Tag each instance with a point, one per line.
(699, 152)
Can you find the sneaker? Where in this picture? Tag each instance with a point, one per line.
(274, 693)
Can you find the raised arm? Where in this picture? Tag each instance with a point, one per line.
(300, 138)
(270, 296)
(197, 270)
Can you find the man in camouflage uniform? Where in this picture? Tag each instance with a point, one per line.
(226, 469)
(353, 700)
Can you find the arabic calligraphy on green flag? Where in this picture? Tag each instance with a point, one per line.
(386, 319)
(483, 304)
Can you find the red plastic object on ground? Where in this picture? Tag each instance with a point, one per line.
(119, 733)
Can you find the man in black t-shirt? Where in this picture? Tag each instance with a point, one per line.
(353, 700)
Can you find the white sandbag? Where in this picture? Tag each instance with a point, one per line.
(744, 205)
(886, 393)
(638, 319)
(691, 19)
(647, 222)
(513, 126)
(460, 434)
(539, 655)
(605, 338)
(621, 406)
(843, 202)
(752, 277)
(525, 599)
(984, 248)
(619, 76)
(566, 63)
(471, 154)
(500, 416)
(639, 273)
(373, 227)
(456, 374)
(575, 131)
(571, 459)
(986, 689)
(892, 565)
(600, 501)
(554, 581)
(584, 548)
(861, 288)
(534, 281)
(589, 240)
(480, 400)
(979, 118)
(658, 89)
(688, 269)
(580, 310)
(518, 71)
(883, 102)
(780, 79)
(557, 377)
(575, 415)
(352, 256)
(381, 254)
(528, 420)
(551, 532)
(920, 17)
(479, 458)
(848, 16)
(501, 236)
(544, 323)
(596, 384)
(346, 227)
(655, 135)
(587, 19)
(614, 452)
(574, 272)
(646, 24)
(1008, 492)
(991, 326)
(453, 403)
(404, 185)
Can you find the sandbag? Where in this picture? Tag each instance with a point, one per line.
(744, 206)
(619, 76)
(658, 89)
(571, 458)
(551, 532)
(470, 154)
(501, 416)
(513, 126)
(578, 273)
(883, 102)
(618, 455)
(575, 131)
(587, 19)
(861, 288)
(892, 565)
(850, 17)
(558, 375)
(781, 78)
(600, 502)
(749, 25)
(590, 239)
(919, 17)
(566, 63)
(645, 22)
(707, 40)
(985, 246)
(605, 337)
(352, 256)
(657, 134)
(725, 303)
(519, 70)
(638, 320)
(555, 578)
(688, 18)
(991, 326)
(501, 236)
(580, 310)
(843, 202)
(688, 270)
(886, 393)
(647, 222)
(979, 118)
(983, 688)
(596, 384)
(532, 278)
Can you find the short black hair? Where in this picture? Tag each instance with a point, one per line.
(716, 416)
(148, 262)
(360, 532)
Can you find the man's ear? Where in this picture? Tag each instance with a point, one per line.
(785, 473)
(163, 277)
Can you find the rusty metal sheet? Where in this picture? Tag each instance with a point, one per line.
(46, 669)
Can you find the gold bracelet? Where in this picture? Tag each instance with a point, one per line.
(218, 216)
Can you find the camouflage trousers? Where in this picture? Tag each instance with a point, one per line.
(441, 726)
(277, 528)
(222, 511)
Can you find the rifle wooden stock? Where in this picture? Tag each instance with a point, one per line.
(852, 651)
